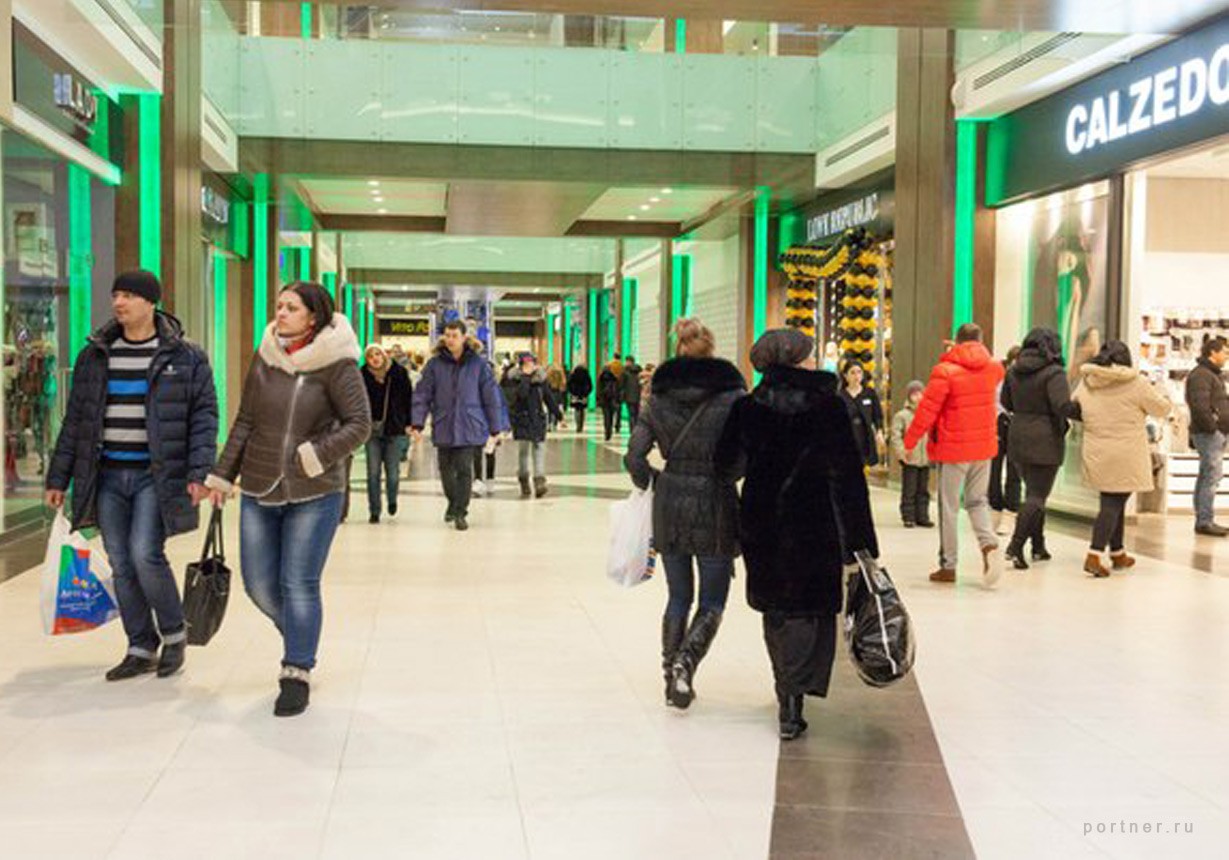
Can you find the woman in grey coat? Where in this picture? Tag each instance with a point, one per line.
(695, 505)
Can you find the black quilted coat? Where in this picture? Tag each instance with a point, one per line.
(529, 400)
(695, 506)
(805, 506)
(181, 417)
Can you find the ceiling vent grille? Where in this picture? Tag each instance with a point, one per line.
(858, 145)
(1049, 46)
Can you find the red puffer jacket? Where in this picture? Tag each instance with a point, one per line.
(959, 408)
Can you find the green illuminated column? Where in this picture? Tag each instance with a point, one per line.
(220, 338)
(260, 256)
(80, 257)
(149, 147)
(763, 202)
(966, 223)
(567, 335)
(550, 339)
(305, 20)
(592, 335)
(330, 284)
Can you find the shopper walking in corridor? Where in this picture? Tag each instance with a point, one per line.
(459, 392)
(914, 465)
(530, 404)
(610, 398)
(303, 411)
(389, 392)
(1209, 405)
(557, 382)
(580, 386)
(1038, 396)
(695, 505)
(1114, 402)
(865, 411)
(805, 511)
(630, 393)
(959, 411)
(138, 438)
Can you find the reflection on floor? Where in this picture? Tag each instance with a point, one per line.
(489, 694)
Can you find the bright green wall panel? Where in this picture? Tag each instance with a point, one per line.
(418, 100)
(571, 98)
(497, 96)
(646, 101)
(787, 90)
(719, 103)
(342, 107)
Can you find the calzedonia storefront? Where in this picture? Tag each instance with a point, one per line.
(61, 162)
(1111, 204)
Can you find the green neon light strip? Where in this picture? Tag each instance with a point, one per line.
(626, 306)
(787, 238)
(149, 161)
(763, 202)
(220, 339)
(241, 235)
(966, 218)
(330, 284)
(680, 36)
(260, 257)
(80, 251)
(592, 334)
(567, 335)
(304, 269)
(550, 339)
(305, 20)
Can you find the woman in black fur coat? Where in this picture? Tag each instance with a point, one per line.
(805, 510)
(695, 506)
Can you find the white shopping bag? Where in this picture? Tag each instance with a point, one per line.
(632, 559)
(76, 592)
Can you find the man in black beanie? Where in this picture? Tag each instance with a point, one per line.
(139, 438)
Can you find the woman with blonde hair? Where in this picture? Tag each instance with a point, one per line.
(695, 506)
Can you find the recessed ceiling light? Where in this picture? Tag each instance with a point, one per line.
(644, 207)
(654, 199)
(667, 191)
(631, 217)
(373, 182)
(382, 211)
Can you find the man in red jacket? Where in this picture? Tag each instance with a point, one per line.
(959, 412)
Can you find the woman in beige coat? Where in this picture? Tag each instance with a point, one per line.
(1114, 401)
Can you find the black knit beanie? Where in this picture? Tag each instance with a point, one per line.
(140, 283)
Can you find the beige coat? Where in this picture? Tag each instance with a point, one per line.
(1115, 401)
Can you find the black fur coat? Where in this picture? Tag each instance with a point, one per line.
(805, 506)
(695, 506)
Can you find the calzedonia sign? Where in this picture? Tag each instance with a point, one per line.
(1172, 97)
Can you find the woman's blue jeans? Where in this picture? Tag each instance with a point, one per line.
(282, 551)
(384, 453)
(715, 575)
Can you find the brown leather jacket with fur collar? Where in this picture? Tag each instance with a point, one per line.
(301, 416)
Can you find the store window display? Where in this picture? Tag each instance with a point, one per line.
(58, 236)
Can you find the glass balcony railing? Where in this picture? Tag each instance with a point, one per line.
(151, 12)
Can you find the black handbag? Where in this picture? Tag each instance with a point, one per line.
(878, 629)
(207, 586)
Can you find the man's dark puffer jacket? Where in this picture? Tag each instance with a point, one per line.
(181, 417)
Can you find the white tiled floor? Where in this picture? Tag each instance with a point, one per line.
(490, 695)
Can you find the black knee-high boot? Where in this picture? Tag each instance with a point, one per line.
(700, 636)
(672, 632)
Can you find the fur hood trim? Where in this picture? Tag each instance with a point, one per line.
(472, 344)
(516, 375)
(708, 374)
(336, 343)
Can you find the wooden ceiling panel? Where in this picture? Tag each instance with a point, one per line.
(517, 208)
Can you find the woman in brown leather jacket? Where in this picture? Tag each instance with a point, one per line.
(304, 411)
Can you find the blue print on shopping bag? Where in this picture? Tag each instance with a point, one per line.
(82, 603)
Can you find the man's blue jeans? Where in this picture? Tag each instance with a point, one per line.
(384, 452)
(1211, 448)
(282, 551)
(715, 576)
(130, 520)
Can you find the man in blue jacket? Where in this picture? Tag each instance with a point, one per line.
(459, 391)
(139, 438)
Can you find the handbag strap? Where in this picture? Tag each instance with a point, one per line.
(388, 387)
(215, 545)
(691, 422)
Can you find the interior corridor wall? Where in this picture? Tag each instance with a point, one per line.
(647, 319)
(714, 283)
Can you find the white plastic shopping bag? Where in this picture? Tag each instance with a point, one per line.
(632, 559)
(76, 592)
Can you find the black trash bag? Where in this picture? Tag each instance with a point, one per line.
(207, 586)
(877, 626)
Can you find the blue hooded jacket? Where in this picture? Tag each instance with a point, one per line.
(462, 398)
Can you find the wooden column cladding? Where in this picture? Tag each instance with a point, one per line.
(925, 202)
(985, 236)
(182, 255)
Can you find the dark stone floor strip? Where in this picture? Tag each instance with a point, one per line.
(867, 780)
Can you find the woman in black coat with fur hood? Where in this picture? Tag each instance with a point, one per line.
(805, 511)
(695, 505)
